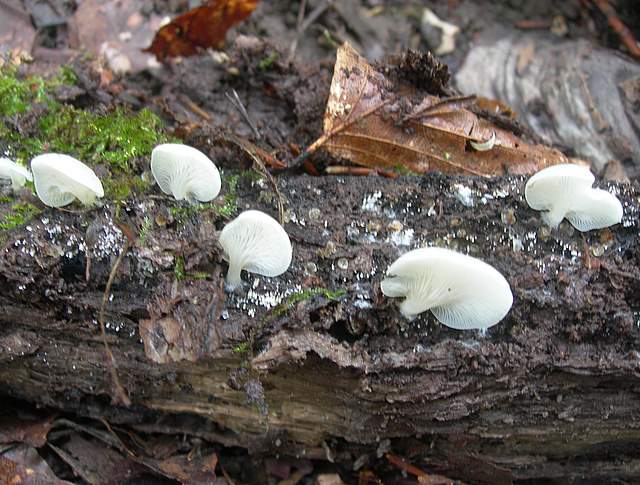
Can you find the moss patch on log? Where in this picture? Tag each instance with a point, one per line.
(32, 122)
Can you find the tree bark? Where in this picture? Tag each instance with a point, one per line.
(318, 362)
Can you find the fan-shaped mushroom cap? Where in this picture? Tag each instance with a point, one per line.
(461, 291)
(17, 173)
(565, 191)
(60, 178)
(185, 172)
(255, 242)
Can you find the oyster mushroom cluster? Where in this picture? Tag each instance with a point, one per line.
(254, 241)
(462, 292)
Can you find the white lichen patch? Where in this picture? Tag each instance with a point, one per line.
(362, 303)
(464, 194)
(290, 216)
(263, 298)
(110, 241)
(401, 238)
(371, 203)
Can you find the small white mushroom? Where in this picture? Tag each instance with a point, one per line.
(565, 191)
(462, 292)
(255, 242)
(484, 146)
(17, 173)
(185, 172)
(60, 178)
(449, 32)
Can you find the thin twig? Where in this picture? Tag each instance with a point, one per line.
(257, 154)
(619, 27)
(87, 268)
(237, 103)
(303, 26)
(343, 170)
(184, 99)
(259, 167)
(463, 100)
(219, 298)
(113, 433)
(121, 396)
(247, 146)
(294, 43)
(325, 137)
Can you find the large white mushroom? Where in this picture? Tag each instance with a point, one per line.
(462, 292)
(60, 178)
(17, 173)
(185, 172)
(565, 191)
(255, 242)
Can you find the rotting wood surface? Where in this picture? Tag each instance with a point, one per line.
(551, 391)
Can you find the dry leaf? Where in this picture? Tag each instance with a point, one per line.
(24, 429)
(199, 28)
(188, 470)
(23, 465)
(373, 122)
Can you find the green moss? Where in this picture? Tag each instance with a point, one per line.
(20, 214)
(241, 348)
(145, 229)
(402, 170)
(306, 295)
(65, 76)
(181, 274)
(283, 308)
(266, 63)
(178, 269)
(17, 95)
(230, 206)
(227, 209)
(122, 186)
(251, 175)
(114, 138)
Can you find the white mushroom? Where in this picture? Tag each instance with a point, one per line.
(60, 178)
(185, 172)
(565, 191)
(461, 291)
(255, 242)
(17, 173)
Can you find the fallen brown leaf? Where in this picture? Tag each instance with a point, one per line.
(23, 465)
(96, 463)
(188, 471)
(375, 122)
(199, 28)
(23, 429)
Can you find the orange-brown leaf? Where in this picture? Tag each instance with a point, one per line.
(199, 28)
(373, 122)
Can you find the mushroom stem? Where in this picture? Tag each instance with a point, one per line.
(17, 182)
(233, 279)
(553, 217)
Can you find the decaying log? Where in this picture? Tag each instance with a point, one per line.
(318, 358)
